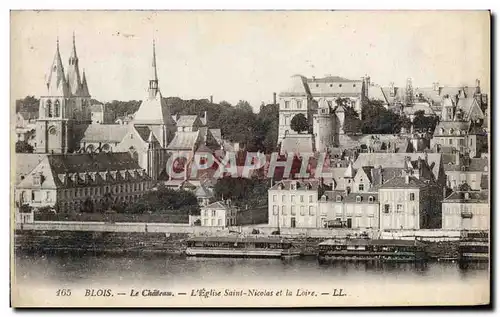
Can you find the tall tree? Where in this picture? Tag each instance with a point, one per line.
(299, 123)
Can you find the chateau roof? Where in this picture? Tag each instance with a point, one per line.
(184, 140)
(186, 120)
(25, 163)
(297, 86)
(334, 86)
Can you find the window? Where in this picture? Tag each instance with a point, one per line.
(399, 208)
(371, 199)
(361, 187)
(275, 210)
(219, 222)
(299, 104)
(358, 199)
(287, 104)
(338, 198)
(450, 141)
(32, 196)
(283, 210)
(302, 211)
(292, 210)
(340, 85)
(311, 211)
(310, 198)
(274, 198)
(301, 198)
(49, 108)
(56, 108)
(205, 222)
(293, 186)
(387, 208)
(282, 198)
(461, 142)
(354, 85)
(131, 135)
(213, 213)
(36, 180)
(292, 198)
(213, 222)
(412, 196)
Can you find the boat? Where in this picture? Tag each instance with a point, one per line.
(378, 250)
(473, 246)
(237, 246)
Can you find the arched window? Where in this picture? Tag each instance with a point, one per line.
(56, 108)
(358, 199)
(105, 148)
(49, 109)
(90, 148)
(451, 131)
(370, 199)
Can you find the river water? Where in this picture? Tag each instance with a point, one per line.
(122, 273)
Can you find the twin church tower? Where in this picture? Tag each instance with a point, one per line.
(64, 112)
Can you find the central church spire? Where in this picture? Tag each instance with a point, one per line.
(74, 80)
(153, 81)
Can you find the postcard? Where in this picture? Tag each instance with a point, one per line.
(250, 158)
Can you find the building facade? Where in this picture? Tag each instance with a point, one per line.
(466, 211)
(219, 214)
(293, 204)
(77, 182)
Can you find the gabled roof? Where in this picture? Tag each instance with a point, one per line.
(471, 108)
(311, 184)
(203, 192)
(154, 110)
(217, 134)
(84, 91)
(350, 172)
(105, 133)
(25, 163)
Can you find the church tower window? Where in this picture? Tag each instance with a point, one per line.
(49, 108)
(56, 108)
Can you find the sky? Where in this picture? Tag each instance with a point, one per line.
(235, 55)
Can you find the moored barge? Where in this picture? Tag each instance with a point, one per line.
(378, 250)
(474, 246)
(238, 246)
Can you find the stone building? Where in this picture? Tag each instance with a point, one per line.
(293, 204)
(219, 214)
(72, 182)
(469, 210)
(315, 98)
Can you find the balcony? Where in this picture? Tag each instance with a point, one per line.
(466, 214)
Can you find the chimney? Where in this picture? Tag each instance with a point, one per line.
(205, 116)
(457, 158)
(478, 87)
(407, 179)
(211, 99)
(274, 98)
(392, 90)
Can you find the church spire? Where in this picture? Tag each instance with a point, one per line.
(85, 88)
(74, 80)
(56, 83)
(153, 81)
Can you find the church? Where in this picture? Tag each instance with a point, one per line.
(65, 124)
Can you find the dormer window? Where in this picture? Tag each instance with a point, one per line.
(293, 186)
(338, 198)
(37, 180)
(358, 199)
(299, 104)
(442, 131)
(466, 196)
(323, 198)
(451, 131)
(371, 199)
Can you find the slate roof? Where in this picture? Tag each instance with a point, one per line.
(365, 198)
(217, 205)
(186, 120)
(297, 144)
(217, 135)
(25, 163)
(478, 164)
(105, 133)
(485, 182)
(474, 197)
(448, 125)
(101, 162)
(297, 86)
(144, 132)
(184, 140)
(396, 160)
(419, 106)
(301, 184)
(334, 86)
(400, 182)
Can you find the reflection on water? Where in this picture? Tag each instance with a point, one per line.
(173, 270)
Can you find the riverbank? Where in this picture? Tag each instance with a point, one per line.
(142, 243)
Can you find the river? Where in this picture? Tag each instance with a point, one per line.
(184, 274)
